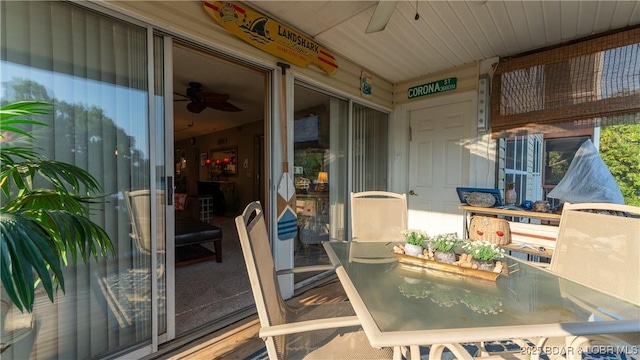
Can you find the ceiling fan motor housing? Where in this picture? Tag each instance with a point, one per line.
(193, 90)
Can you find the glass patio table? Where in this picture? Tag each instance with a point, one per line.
(402, 305)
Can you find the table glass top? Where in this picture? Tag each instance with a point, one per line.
(403, 297)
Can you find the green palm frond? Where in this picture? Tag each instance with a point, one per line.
(60, 175)
(10, 115)
(47, 199)
(77, 234)
(40, 226)
(26, 247)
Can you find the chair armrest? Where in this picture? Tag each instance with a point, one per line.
(309, 325)
(303, 269)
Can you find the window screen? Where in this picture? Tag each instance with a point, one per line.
(595, 82)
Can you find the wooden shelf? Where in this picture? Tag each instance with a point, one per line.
(514, 213)
(527, 250)
(526, 238)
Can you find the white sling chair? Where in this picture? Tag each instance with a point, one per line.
(326, 331)
(378, 216)
(598, 246)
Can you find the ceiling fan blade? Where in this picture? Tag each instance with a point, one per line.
(224, 106)
(381, 16)
(211, 97)
(196, 107)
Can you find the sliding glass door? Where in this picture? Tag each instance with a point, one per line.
(320, 168)
(95, 70)
(328, 152)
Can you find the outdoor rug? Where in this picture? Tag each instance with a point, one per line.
(493, 346)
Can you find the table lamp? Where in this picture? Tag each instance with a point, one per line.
(323, 178)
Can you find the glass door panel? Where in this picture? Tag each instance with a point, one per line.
(320, 172)
(94, 69)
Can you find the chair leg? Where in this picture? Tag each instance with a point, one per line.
(414, 350)
(436, 350)
(398, 352)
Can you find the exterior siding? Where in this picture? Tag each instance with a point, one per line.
(187, 19)
(467, 81)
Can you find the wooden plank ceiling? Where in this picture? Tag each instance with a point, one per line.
(448, 33)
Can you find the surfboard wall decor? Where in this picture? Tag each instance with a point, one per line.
(269, 35)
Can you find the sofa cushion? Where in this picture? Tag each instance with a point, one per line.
(194, 231)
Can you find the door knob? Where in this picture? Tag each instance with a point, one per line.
(413, 193)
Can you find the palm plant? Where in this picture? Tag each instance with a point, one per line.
(41, 226)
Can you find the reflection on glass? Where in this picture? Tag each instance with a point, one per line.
(319, 171)
(100, 124)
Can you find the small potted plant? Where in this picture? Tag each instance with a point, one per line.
(484, 253)
(414, 241)
(443, 247)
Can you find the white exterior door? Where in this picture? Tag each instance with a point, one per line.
(439, 156)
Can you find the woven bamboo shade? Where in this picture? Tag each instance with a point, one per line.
(595, 82)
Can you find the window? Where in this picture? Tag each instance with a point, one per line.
(569, 93)
(558, 153)
(94, 69)
(516, 165)
(591, 83)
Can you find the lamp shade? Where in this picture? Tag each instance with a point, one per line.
(323, 177)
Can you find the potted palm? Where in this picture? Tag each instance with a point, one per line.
(41, 225)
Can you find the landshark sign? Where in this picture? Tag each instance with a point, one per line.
(269, 35)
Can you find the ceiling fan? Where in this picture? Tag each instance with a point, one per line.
(384, 10)
(381, 16)
(200, 99)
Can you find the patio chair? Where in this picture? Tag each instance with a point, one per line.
(598, 246)
(138, 207)
(325, 331)
(378, 216)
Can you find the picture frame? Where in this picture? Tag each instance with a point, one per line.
(227, 158)
(463, 192)
(203, 158)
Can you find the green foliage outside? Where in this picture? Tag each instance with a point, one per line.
(310, 160)
(620, 150)
(557, 165)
